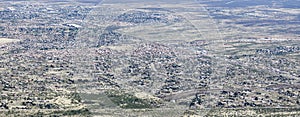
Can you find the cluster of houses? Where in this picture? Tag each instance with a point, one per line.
(44, 70)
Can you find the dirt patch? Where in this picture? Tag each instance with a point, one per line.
(7, 40)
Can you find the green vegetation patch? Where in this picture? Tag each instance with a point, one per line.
(129, 101)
